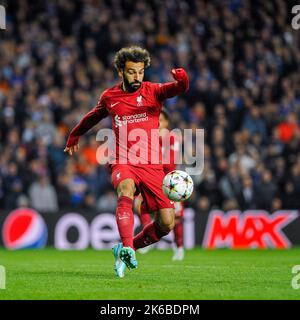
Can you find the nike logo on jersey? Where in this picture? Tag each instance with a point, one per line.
(123, 215)
(114, 104)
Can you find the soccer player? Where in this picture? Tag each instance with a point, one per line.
(134, 104)
(168, 154)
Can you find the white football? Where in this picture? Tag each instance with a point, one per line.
(178, 185)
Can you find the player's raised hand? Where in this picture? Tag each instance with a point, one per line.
(179, 74)
(72, 149)
(181, 77)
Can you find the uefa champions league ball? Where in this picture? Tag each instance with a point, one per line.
(178, 185)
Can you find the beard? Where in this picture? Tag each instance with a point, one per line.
(131, 86)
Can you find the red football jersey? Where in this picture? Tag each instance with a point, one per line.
(134, 122)
(131, 112)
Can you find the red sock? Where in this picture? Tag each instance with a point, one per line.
(145, 216)
(178, 233)
(125, 221)
(150, 234)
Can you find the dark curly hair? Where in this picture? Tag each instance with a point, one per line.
(134, 54)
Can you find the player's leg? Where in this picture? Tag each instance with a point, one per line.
(145, 215)
(125, 221)
(146, 218)
(166, 219)
(178, 232)
(178, 238)
(153, 232)
(124, 212)
(124, 181)
(142, 210)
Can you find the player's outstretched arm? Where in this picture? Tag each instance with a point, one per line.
(171, 89)
(86, 123)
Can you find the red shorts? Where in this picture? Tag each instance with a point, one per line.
(148, 181)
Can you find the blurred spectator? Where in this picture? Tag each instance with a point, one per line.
(254, 123)
(246, 197)
(63, 192)
(203, 205)
(241, 158)
(56, 156)
(107, 202)
(23, 201)
(291, 199)
(12, 185)
(89, 202)
(46, 129)
(288, 128)
(230, 204)
(276, 205)
(43, 196)
(265, 191)
(208, 187)
(230, 184)
(78, 188)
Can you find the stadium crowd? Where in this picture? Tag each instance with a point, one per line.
(243, 58)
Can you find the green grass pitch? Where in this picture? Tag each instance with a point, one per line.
(204, 274)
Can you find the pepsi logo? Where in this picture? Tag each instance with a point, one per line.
(24, 228)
